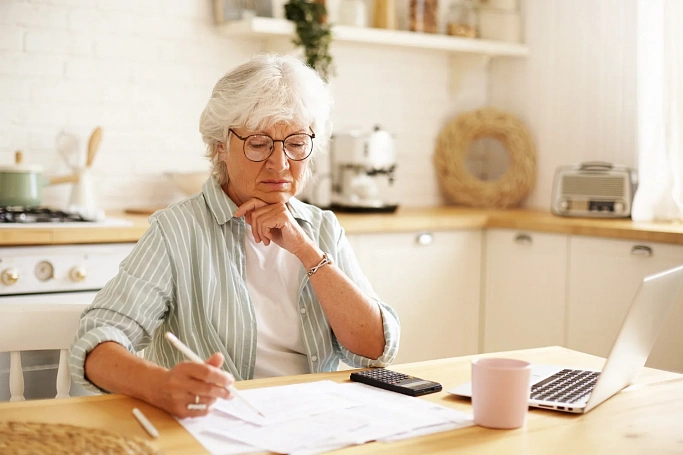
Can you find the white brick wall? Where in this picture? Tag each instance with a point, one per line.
(143, 70)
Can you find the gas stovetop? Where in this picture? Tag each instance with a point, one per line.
(27, 215)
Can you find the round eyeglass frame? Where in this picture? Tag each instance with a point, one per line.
(272, 148)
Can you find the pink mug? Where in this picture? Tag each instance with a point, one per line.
(500, 392)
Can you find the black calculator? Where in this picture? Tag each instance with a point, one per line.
(396, 382)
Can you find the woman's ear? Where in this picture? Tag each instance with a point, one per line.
(220, 148)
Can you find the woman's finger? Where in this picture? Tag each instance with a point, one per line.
(199, 400)
(256, 221)
(205, 389)
(248, 206)
(216, 360)
(208, 372)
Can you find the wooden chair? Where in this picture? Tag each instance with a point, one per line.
(38, 327)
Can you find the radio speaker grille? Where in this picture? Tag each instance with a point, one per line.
(584, 185)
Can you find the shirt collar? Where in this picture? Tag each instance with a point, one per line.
(223, 208)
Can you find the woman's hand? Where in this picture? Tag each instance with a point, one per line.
(273, 223)
(193, 383)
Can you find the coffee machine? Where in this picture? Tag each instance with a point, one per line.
(362, 169)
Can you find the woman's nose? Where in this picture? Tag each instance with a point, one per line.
(278, 159)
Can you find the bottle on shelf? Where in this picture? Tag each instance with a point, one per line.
(424, 16)
(463, 19)
(352, 12)
(384, 14)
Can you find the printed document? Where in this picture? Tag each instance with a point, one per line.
(311, 418)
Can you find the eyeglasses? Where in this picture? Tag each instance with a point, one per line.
(259, 147)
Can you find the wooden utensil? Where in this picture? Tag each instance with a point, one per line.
(93, 145)
(144, 210)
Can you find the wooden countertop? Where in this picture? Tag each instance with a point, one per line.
(645, 418)
(404, 220)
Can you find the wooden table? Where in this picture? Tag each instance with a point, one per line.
(646, 418)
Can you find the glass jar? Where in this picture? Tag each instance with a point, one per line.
(424, 16)
(353, 12)
(463, 19)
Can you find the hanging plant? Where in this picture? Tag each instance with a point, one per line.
(312, 33)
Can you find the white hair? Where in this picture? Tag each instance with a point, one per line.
(256, 95)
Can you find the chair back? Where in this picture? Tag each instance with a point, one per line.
(38, 327)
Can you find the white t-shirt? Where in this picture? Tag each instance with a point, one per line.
(273, 283)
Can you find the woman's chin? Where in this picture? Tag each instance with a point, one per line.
(275, 197)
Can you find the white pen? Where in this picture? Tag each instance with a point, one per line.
(196, 359)
(146, 424)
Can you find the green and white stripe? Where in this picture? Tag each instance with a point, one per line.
(187, 275)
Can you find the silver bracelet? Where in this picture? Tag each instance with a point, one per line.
(324, 261)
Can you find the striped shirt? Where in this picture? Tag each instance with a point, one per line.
(186, 275)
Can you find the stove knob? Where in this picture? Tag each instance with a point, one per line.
(9, 277)
(77, 274)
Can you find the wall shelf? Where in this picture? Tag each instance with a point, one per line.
(264, 27)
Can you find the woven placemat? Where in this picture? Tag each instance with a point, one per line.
(24, 438)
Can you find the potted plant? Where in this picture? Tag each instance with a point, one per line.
(312, 33)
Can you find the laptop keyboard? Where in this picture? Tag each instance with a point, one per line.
(566, 386)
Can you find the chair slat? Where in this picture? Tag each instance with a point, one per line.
(63, 375)
(16, 377)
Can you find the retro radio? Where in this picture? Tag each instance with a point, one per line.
(593, 189)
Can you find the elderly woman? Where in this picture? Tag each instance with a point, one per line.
(254, 281)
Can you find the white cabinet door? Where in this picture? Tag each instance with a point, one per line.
(604, 275)
(524, 295)
(432, 279)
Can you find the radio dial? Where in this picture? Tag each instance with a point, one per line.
(618, 206)
(77, 274)
(9, 277)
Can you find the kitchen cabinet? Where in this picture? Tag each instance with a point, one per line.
(604, 275)
(524, 292)
(432, 279)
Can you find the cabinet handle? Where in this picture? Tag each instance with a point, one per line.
(641, 250)
(523, 239)
(424, 239)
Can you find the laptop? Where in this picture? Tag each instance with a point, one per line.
(579, 391)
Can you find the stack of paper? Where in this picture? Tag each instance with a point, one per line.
(304, 419)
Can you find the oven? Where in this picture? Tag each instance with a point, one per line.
(65, 274)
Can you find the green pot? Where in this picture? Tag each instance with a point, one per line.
(21, 186)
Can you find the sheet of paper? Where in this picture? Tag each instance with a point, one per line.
(217, 446)
(286, 437)
(376, 427)
(284, 403)
(401, 405)
(307, 419)
(428, 430)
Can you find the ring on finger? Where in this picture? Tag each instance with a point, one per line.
(196, 407)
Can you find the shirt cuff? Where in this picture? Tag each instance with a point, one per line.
(83, 345)
(392, 331)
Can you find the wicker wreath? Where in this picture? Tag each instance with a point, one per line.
(452, 146)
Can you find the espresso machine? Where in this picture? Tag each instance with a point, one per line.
(362, 167)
